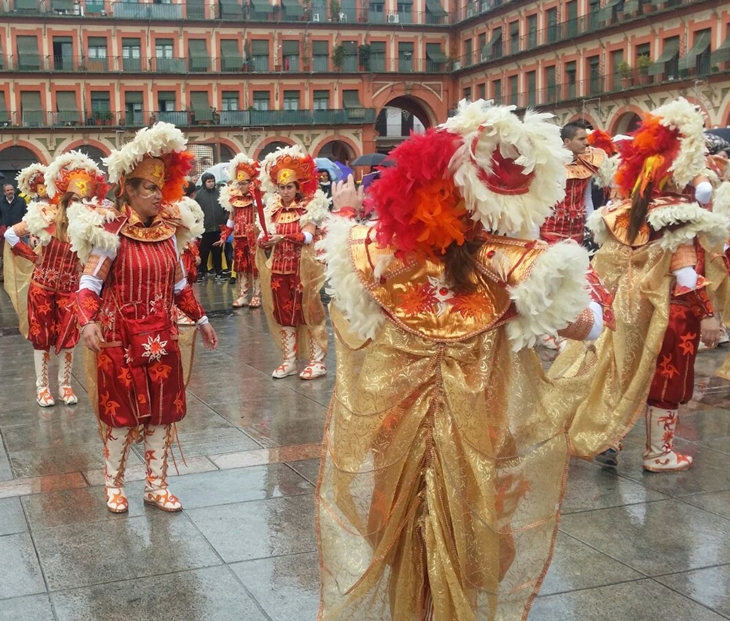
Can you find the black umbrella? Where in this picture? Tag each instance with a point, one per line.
(369, 159)
(2, 176)
(722, 132)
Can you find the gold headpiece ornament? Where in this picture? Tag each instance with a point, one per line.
(150, 169)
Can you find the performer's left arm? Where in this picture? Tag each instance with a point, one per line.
(188, 304)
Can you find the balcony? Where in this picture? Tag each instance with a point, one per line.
(185, 118)
(366, 13)
(34, 63)
(279, 11)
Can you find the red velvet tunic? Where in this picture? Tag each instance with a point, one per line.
(285, 280)
(137, 283)
(568, 219)
(53, 284)
(244, 233)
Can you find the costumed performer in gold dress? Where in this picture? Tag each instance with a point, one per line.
(133, 278)
(653, 246)
(445, 451)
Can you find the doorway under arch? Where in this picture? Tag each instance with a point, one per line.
(627, 123)
(13, 160)
(399, 118)
(337, 151)
(270, 148)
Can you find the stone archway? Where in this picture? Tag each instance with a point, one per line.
(226, 152)
(270, 148)
(13, 160)
(399, 118)
(626, 123)
(337, 151)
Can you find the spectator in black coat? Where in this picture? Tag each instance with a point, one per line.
(214, 217)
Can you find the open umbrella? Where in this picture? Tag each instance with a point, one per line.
(219, 171)
(324, 163)
(369, 159)
(344, 170)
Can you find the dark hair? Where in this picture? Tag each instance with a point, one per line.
(638, 211)
(462, 270)
(569, 131)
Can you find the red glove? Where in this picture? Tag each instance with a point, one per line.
(188, 304)
(225, 232)
(23, 250)
(87, 306)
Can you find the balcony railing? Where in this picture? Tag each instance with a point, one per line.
(184, 118)
(366, 12)
(227, 64)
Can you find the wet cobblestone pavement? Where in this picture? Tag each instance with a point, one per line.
(632, 546)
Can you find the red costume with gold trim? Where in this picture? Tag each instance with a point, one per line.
(292, 277)
(53, 283)
(139, 282)
(569, 217)
(55, 277)
(133, 278)
(237, 198)
(647, 365)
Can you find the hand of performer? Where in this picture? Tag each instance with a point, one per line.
(710, 331)
(220, 242)
(272, 241)
(345, 194)
(210, 338)
(197, 260)
(91, 335)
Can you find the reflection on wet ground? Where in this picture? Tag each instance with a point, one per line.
(631, 545)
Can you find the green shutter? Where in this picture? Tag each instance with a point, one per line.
(434, 8)
(290, 48)
(671, 49)
(28, 55)
(293, 8)
(702, 42)
(351, 99)
(198, 51)
(200, 105)
(722, 53)
(435, 54)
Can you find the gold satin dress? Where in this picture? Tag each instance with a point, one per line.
(445, 452)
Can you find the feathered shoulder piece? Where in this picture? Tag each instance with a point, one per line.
(39, 217)
(680, 221)
(317, 209)
(537, 289)
(224, 198)
(92, 224)
(187, 216)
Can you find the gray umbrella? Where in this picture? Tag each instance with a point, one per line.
(369, 159)
(722, 132)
